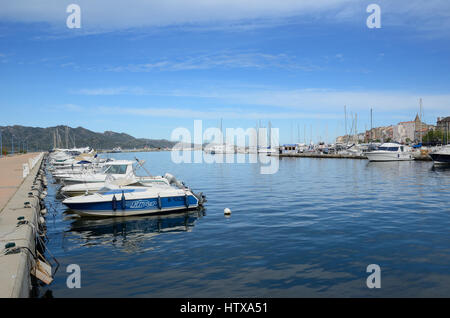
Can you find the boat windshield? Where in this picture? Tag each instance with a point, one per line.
(108, 191)
(117, 169)
(388, 148)
(103, 190)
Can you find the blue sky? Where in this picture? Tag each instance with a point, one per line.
(147, 67)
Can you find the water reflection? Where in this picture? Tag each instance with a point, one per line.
(445, 168)
(127, 233)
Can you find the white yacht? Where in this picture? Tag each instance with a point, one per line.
(219, 149)
(390, 152)
(267, 150)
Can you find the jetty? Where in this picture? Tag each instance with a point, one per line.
(319, 155)
(21, 192)
(417, 156)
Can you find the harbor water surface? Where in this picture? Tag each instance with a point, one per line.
(309, 230)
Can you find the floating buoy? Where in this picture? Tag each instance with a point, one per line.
(227, 211)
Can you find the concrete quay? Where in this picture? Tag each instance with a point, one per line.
(20, 220)
(417, 157)
(318, 155)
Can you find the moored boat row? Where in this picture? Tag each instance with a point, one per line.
(108, 187)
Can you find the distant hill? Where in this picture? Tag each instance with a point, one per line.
(68, 137)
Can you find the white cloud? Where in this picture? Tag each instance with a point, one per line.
(431, 15)
(221, 60)
(111, 91)
(308, 98)
(210, 114)
(137, 13)
(275, 103)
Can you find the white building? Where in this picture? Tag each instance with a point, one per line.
(404, 131)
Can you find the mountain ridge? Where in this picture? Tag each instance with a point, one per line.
(62, 136)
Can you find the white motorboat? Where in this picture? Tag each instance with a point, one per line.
(136, 200)
(391, 152)
(267, 150)
(220, 149)
(93, 187)
(117, 169)
(441, 156)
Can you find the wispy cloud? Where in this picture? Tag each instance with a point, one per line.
(221, 60)
(173, 112)
(112, 91)
(103, 15)
(138, 13)
(320, 99)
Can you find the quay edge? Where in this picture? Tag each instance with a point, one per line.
(15, 268)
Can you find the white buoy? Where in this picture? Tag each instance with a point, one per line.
(227, 211)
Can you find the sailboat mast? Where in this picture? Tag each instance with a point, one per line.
(371, 125)
(345, 121)
(420, 119)
(270, 135)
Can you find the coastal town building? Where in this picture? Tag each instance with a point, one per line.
(411, 131)
(382, 134)
(443, 123)
(404, 132)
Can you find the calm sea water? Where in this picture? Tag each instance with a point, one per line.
(309, 230)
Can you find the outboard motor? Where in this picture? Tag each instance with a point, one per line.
(200, 197)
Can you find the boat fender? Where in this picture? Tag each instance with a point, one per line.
(114, 203)
(186, 200)
(122, 200)
(159, 202)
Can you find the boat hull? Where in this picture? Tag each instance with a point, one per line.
(443, 159)
(134, 206)
(381, 156)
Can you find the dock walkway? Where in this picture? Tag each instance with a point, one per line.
(15, 192)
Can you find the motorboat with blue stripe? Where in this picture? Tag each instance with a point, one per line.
(115, 200)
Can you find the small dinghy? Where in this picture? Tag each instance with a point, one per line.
(116, 200)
